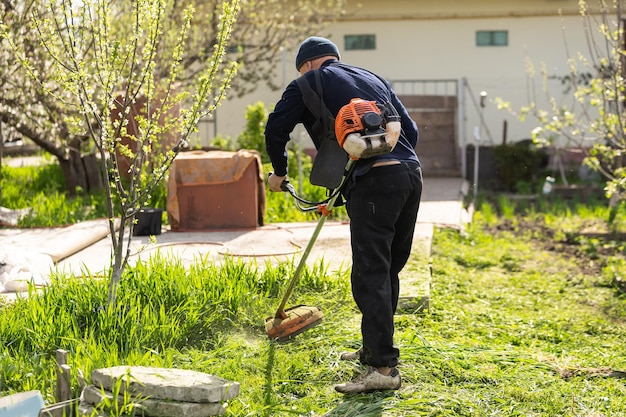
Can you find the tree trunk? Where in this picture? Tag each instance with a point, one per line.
(81, 173)
(92, 169)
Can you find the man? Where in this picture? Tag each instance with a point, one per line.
(382, 200)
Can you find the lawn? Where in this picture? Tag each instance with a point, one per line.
(527, 318)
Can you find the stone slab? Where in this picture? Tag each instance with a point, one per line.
(153, 407)
(166, 383)
(22, 404)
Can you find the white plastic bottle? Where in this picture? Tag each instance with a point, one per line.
(547, 185)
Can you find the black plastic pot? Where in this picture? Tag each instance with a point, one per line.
(148, 222)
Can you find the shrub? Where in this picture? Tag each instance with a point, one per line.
(518, 163)
(253, 137)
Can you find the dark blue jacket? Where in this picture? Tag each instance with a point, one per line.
(340, 83)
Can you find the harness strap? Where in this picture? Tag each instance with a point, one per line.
(329, 164)
(313, 102)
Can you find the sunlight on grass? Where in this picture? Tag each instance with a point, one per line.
(526, 318)
(513, 330)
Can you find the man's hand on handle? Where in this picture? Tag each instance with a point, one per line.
(274, 182)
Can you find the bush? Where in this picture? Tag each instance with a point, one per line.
(518, 163)
(253, 137)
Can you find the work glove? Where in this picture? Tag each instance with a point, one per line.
(274, 182)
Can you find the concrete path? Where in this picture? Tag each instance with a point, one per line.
(85, 248)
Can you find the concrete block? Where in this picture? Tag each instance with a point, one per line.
(165, 383)
(153, 407)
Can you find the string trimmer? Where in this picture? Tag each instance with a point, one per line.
(295, 320)
(363, 129)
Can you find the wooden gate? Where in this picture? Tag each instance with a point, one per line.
(436, 118)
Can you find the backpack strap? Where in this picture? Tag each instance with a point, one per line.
(325, 122)
(329, 163)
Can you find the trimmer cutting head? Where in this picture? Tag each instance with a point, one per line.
(292, 322)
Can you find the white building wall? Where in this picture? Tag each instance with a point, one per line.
(445, 49)
(437, 41)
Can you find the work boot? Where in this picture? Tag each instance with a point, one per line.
(371, 380)
(351, 356)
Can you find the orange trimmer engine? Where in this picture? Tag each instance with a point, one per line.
(365, 128)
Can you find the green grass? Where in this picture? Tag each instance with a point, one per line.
(525, 320)
(42, 190)
(516, 328)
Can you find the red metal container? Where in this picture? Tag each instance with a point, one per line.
(216, 190)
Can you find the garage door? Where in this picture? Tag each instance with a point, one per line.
(436, 118)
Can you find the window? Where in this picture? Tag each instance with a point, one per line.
(359, 42)
(492, 38)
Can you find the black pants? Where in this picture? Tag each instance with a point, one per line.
(382, 205)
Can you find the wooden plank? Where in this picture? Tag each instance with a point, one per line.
(63, 384)
(62, 409)
(63, 381)
(65, 405)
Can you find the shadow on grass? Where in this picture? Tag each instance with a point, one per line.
(359, 406)
(268, 394)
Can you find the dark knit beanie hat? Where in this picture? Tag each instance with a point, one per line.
(315, 47)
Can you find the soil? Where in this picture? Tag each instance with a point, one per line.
(591, 258)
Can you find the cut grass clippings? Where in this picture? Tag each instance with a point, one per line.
(515, 328)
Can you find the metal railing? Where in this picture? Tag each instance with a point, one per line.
(426, 87)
